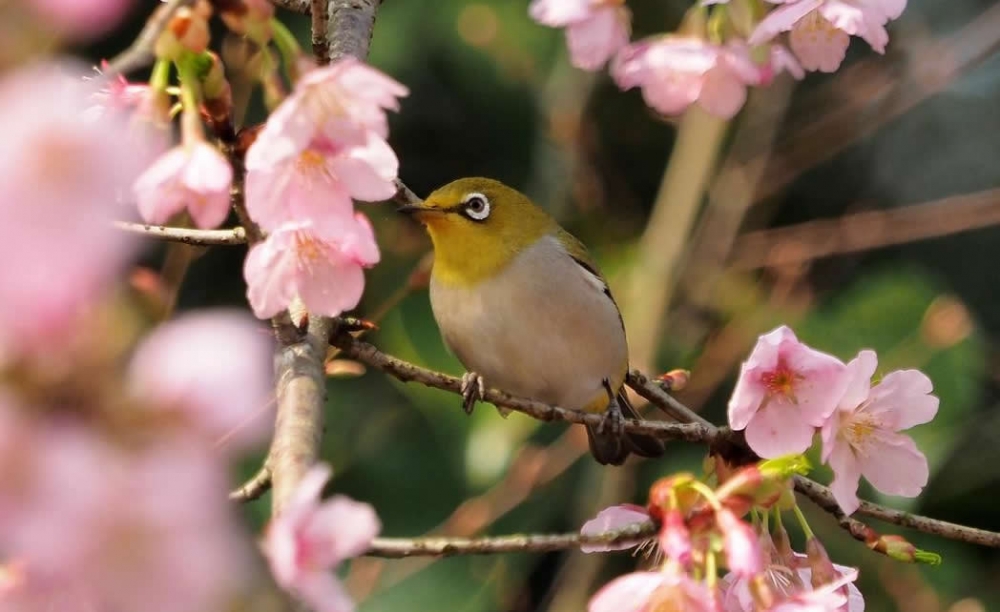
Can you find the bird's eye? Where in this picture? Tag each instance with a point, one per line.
(477, 206)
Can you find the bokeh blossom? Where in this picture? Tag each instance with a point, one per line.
(785, 390)
(820, 30)
(613, 518)
(310, 538)
(862, 437)
(80, 19)
(648, 591)
(213, 368)
(595, 29)
(675, 72)
(61, 178)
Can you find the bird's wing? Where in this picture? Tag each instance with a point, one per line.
(576, 249)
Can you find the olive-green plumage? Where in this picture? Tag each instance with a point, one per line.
(520, 303)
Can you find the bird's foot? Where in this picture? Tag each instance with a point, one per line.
(613, 420)
(473, 390)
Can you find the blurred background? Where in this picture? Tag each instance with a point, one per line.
(858, 207)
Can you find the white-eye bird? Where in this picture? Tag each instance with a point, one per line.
(523, 307)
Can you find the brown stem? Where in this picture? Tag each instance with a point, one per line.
(197, 237)
(255, 487)
(320, 23)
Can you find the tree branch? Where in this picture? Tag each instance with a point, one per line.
(398, 548)
(350, 29)
(197, 237)
(369, 355)
(296, 6)
(699, 431)
(256, 486)
(823, 498)
(140, 52)
(320, 24)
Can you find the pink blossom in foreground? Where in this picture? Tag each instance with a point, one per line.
(820, 30)
(595, 29)
(213, 368)
(675, 72)
(740, 543)
(780, 59)
(787, 583)
(60, 180)
(118, 529)
(309, 538)
(323, 265)
(318, 183)
(614, 518)
(784, 391)
(81, 19)
(341, 103)
(827, 598)
(675, 539)
(862, 437)
(193, 176)
(651, 591)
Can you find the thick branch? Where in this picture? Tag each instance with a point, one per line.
(397, 548)
(320, 24)
(197, 237)
(369, 355)
(350, 28)
(301, 394)
(140, 52)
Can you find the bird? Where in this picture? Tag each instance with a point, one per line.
(524, 308)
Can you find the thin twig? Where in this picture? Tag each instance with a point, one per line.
(140, 52)
(803, 242)
(397, 548)
(256, 486)
(653, 393)
(197, 237)
(823, 498)
(296, 6)
(369, 355)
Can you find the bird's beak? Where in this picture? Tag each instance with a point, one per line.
(418, 211)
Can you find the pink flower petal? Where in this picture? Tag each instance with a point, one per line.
(322, 592)
(367, 172)
(722, 94)
(902, 400)
(628, 593)
(558, 13)
(781, 20)
(778, 429)
(333, 287)
(594, 40)
(896, 466)
(846, 476)
(341, 528)
(818, 44)
(613, 519)
(270, 272)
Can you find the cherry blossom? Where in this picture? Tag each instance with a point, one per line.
(213, 368)
(81, 19)
(60, 180)
(342, 103)
(675, 72)
(820, 30)
(193, 176)
(784, 391)
(647, 591)
(309, 538)
(319, 182)
(787, 582)
(862, 437)
(595, 29)
(740, 544)
(322, 264)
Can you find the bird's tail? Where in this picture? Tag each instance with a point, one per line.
(610, 448)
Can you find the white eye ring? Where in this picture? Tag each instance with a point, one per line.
(477, 206)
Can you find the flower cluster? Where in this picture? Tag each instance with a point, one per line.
(701, 529)
(323, 145)
(787, 392)
(719, 50)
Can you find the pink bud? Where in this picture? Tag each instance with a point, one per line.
(740, 543)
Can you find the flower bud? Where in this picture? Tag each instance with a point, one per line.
(675, 541)
(740, 543)
(187, 31)
(819, 562)
(898, 548)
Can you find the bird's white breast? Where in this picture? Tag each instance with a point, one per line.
(543, 328)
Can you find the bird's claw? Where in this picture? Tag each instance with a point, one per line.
(613, 420)
(473, 390)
